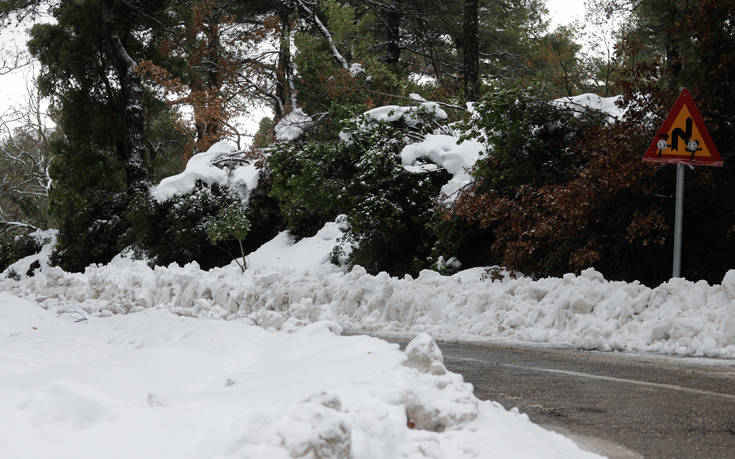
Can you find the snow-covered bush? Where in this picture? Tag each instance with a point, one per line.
(309, 182)
(204, 213)
(562, 189)
(14, 246)
(531, 139)
(388, 220)
(175, 230)
(92, 226)
(208, 225)
(529, 142)
(387, 206)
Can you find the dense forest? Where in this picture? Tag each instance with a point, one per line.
(136, 88)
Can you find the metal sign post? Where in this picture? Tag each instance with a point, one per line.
(678, 219)
(682, 140)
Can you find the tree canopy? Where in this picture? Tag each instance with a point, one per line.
(137, 87)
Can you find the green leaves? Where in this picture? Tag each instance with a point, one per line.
(231, 222)
(529, 140)
(309, 183)
(387, 207)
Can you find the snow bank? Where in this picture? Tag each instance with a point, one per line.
(283, 251)
(588, 312)
(293, 125)
(157, 385)
(243, 177)
(607, 105)
(445, 151)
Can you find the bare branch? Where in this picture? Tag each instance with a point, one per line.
(325, 33)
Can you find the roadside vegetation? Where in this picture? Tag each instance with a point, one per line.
(137, 88)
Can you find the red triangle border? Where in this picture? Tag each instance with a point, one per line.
(652, 152)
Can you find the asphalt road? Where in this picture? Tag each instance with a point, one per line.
(619, 405)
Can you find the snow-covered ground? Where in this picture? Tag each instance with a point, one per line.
(291, 284)
(126, 361)
(153, 384)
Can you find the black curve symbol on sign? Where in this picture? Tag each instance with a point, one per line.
(685, 136)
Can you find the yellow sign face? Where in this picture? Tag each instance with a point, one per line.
(683, 138)
(683, 135)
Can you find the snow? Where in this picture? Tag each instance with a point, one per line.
(607, 105)
(393, 113)
(306, 254)
(448, 152)
(355, 69)
(290, 284)
(125, 360)
(293, 125)
(157, 385)
(201, 167)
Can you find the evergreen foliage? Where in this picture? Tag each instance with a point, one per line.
(15, 245)
(389, 207)
(309, 182)
(88, 199)
(201, 226)
(558, 190)
(361, 175)
(530, 140)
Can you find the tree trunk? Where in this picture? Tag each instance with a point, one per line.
(471, 67)
(209, 110)
(284, 73)
(393, 21)
(673, 58)
(131, 87)
(131, 90)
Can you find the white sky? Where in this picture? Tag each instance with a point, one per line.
(563, 12)
(12, 86)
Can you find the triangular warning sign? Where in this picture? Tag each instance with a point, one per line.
(683, 137)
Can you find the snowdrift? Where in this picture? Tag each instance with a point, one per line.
(588, 312)
(155, 385)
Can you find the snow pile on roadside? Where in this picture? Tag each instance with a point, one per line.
(284, 252)
(445, 151)
(155, 385)
(238, 175)
(678, 317)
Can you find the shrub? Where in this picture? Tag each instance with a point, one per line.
(175, 230)
(530, 207)
(15, 245)
(387, 208)
(231, 222)
(390, 208)
(309, 183)
(87, 200)
(93, 233)
(595, 207)
(531, 140)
